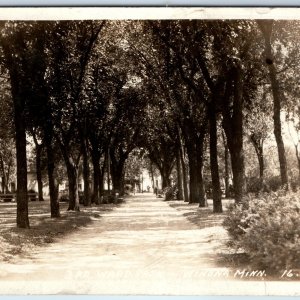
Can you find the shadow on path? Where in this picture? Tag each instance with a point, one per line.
(204, 218)
(16, 242)
(144, 246)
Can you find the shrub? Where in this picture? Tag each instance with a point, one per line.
(268, 230)
(240, 217)
(170, 192)
(254, 185)
(108, 199)
(294, 182)
(273, 183)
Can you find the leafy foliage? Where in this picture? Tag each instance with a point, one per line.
(170, 193)
(267, 229)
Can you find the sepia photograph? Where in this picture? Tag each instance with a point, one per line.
(150, 151)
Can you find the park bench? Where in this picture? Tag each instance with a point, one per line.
(7, 197)
(32, 196)
(10, 197)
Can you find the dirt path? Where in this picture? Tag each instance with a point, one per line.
(145, 246)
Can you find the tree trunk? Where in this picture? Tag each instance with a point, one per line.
(107, 160)
(197, 189)
(226, 163)
(39, 149)
(96, 177)
(233, 127)
(238, 171)
(184, 174)
(259, 150)
(202, 193)
(20, 130)
(214, 165)
(194, 188)
(117, 170)
(261, 167)
(5, 176)
(266, 29)
(3, 183)
(165, 179)
(298, 160)
(118, 177)
(165, 169)
(199, 163)
(277, 129)
(72, 171)
(86, 175)
(53, 185)
(22, 200)
(179, 175)
(38, 157)
(16, 81)
(101, 182)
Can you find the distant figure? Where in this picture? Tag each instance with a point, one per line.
(134, 191)
(148, 188)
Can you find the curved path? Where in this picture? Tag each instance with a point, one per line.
(142, 247)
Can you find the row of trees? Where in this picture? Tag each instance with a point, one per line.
(181, 90)
(230, 77)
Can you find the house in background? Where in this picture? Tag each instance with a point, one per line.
(11, 186)
(33, 185)
(144, 182)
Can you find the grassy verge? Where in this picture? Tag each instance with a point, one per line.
(206, 220)
(44, 230)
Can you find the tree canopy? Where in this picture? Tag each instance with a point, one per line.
(190, 94)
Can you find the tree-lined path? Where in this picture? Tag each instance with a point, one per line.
(141, 246)
(144, 246)
(198, 112)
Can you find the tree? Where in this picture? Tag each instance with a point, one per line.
(98, 117)
(258, 126)
(226, 166)
(7, 148)
(71, 48)
(7, 162)
(234, 85)
(129, 111)
(287, 62)
(38, 109)
(15, 42)
(38, 157)
(266, 28)
(158, 136)
(293, 119)
(137, 160)
(175, 82)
